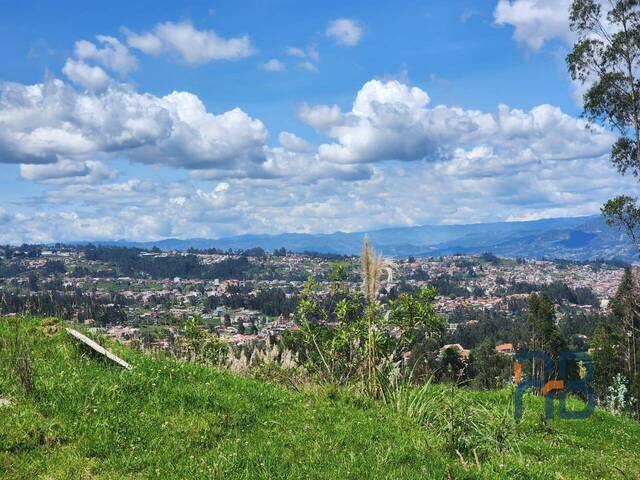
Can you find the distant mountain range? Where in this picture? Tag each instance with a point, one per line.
(575, 238)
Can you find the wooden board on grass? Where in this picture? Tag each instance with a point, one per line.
(94, 346)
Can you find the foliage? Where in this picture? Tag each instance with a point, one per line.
(351, 337)
(105, 309)
(334, 351)
(270, 301)
(198, 345)
(606, 358)
(169, 419)
(130, 262)
(626, 308)
(413, 314)
(488, 367)
(545, 335)
(606, 58)
(618, 400)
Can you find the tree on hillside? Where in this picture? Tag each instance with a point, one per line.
(606, 358)
(626, 307)
(488, 366)
(545, 335)
(606, 59)
(451, 364)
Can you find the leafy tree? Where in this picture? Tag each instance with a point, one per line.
(451, 364)
(52, 267)
(488, 366)
(606, 58)
(33, 282)
(414, 315)
(254, 328)
(240, 327)
(626, 307)
(606, 358)
(545, 335)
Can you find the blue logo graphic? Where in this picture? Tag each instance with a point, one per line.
(561, 384)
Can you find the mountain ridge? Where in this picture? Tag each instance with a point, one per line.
(573, 238)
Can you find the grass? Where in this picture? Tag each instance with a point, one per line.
(88, 419)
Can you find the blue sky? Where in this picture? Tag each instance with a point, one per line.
(145, 120)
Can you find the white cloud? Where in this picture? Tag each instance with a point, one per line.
(273, 65)
(89, 77)
(313, 54)
(460, 165)
(107, 194)
(320, 117)
(293, 143)
(467, 14)
(191, 45)
(309, 57)
(309, 66)
(147, 42)
(305, 168)
(392, 121)
(111, 54)
(344, 31)
(535, 21)
(296, 52)
(471, 187)
(41, 123)
(68, 171)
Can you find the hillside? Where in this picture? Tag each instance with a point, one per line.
(87, 418)
(577, 238)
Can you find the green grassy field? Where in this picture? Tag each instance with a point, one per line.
(164, 419)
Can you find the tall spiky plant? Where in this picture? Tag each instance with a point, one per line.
(372, 264)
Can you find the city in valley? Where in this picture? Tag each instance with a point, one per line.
(145, 298)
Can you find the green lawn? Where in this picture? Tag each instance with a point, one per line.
(88, 419)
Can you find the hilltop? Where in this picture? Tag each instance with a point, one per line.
(87, 418)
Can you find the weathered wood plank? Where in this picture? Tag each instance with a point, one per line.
(101, 350)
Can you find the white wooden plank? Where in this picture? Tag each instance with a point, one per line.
(101, 350)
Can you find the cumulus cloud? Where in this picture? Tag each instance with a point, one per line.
(273, 65)
(109, 53)
(44, 122)
(391, 158)
(392, 121)
(320, 117)
(68, 171)
(298, 165)
(470, 187)
(89, 77)
(535, 21)
(344, 31)
(293, 143)
(191, 45)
